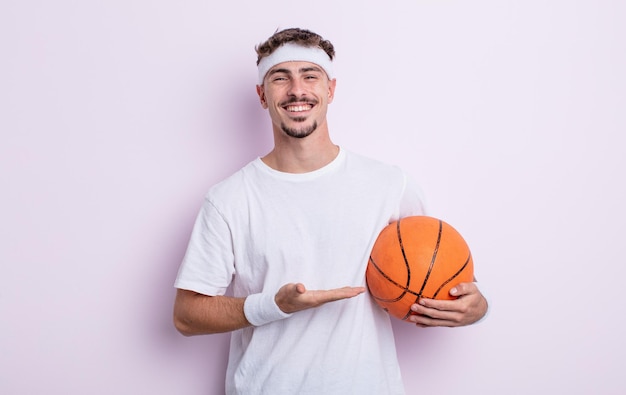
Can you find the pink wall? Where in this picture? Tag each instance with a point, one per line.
(117, 116)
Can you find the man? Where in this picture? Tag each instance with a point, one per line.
(292, 231)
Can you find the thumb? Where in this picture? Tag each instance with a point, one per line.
(300, 288)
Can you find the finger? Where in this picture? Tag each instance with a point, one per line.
(426, 321)
(350, 292)
(436, 312)
(463, 289)
(441, 305)
(341, 293)
(421, 310)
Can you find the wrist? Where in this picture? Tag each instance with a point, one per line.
(482, 292)
(261, 309)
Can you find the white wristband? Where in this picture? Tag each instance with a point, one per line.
(261, 309)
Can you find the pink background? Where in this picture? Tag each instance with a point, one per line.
(117, 116)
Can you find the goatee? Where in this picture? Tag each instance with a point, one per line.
(301, 132)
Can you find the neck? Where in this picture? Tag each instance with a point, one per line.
(301, 155)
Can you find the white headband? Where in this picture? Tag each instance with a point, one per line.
(290, 52)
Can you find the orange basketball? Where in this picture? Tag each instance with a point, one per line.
(416, 257)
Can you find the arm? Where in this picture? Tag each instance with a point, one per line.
(469, 307)
(197, 314)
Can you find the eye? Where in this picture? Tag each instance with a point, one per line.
(279, 78)
(311, 76)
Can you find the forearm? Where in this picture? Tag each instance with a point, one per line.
(197, 314)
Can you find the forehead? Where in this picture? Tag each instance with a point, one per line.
(294, 67)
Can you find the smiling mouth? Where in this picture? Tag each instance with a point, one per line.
(298, 108)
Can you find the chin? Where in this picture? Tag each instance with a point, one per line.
(299, 132)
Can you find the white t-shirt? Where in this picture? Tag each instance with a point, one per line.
(260, 229)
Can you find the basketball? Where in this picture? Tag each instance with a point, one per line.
(416, 257)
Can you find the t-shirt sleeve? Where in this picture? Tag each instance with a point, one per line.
(412, 201)
(208, 265)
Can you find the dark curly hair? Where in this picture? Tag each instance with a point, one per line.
(303, 37)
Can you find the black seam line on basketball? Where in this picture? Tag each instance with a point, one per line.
(432, 261)
(406, 261)
(404, 289)
(454, 276)
(408, 270)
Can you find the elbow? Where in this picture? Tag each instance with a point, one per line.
(182, 319)
(190, 316)
(183, 322)
(183, 326)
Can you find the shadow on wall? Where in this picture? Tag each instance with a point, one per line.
(249, 136)
(253, 132)
(244, 133)
(249, 131)
(188, 358)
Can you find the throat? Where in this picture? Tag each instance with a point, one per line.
(289, 160)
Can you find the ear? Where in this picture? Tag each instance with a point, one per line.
(261, 92)
(331, 89)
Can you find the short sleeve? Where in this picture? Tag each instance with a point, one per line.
(412, 201)
(208, 265)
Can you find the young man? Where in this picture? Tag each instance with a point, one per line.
(293, 231)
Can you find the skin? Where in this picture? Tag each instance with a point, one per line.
(297, 95)
(298, 84)
(468, 307)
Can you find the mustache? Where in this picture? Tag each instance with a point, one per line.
(301, 100)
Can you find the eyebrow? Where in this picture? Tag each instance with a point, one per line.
(301, 70)
(310, 68)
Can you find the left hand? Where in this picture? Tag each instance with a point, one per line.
(469, 307)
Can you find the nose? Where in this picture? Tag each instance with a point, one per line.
(296, 88)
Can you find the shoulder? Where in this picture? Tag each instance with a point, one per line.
(230, 187)
(373, 168)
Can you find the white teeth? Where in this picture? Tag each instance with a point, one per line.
(298, 108)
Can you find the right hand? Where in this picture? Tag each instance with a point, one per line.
(295, 297)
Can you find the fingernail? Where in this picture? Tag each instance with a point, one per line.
(453, 291)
